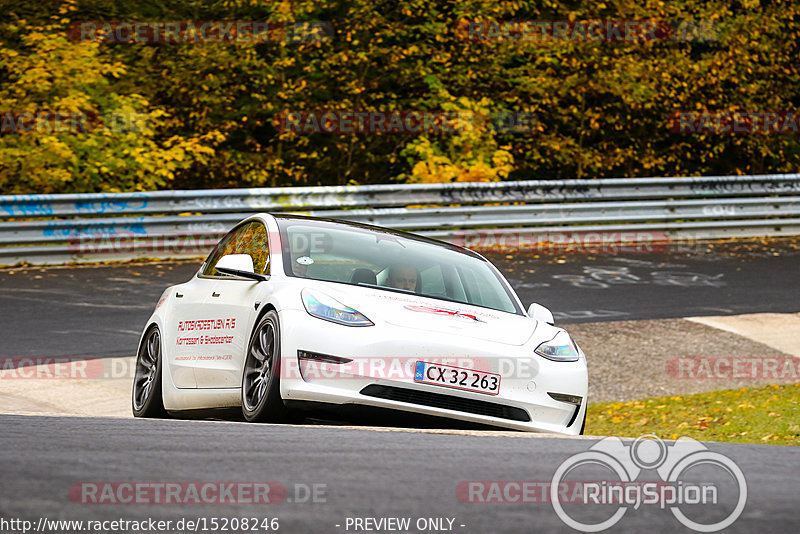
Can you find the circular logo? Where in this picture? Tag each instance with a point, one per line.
(648, 452)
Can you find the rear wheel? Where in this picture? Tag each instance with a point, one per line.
(146, 399)
(261, 390)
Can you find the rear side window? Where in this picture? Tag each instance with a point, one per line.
(249, 238)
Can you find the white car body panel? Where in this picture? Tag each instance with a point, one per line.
(206, 375)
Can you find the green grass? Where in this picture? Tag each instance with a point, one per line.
(762, 415)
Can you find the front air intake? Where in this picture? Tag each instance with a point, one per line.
(448, 402)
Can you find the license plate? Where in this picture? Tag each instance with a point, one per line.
(457, 377)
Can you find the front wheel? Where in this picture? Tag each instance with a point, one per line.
(261, 395)
(146, 399)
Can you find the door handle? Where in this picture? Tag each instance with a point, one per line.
(214, 294)
(178, 296)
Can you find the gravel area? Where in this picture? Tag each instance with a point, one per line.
(628, 359)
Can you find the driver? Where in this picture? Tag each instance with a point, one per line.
(402, 276)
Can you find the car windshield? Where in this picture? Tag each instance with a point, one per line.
(392, 261)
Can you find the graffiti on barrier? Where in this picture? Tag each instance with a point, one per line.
(137, 202)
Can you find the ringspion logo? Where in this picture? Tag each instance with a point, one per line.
(687, 467)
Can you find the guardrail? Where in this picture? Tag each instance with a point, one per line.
(41, 229)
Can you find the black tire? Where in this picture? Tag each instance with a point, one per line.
(261, 385)
(146, 398)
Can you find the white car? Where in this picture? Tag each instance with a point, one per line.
(290, 313)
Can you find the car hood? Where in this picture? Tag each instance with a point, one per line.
(433, 315)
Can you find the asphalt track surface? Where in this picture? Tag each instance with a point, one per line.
(365, 474)
(99, 311)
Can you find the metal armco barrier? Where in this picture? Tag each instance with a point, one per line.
(46, 229)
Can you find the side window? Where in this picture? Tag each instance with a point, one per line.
(254, 241)
(250, 238)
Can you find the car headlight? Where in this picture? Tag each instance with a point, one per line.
(328, 308)
(559, 349)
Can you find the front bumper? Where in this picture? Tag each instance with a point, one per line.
(374, 366)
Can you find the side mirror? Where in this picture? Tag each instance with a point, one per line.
(239, 265)
(540, 313)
